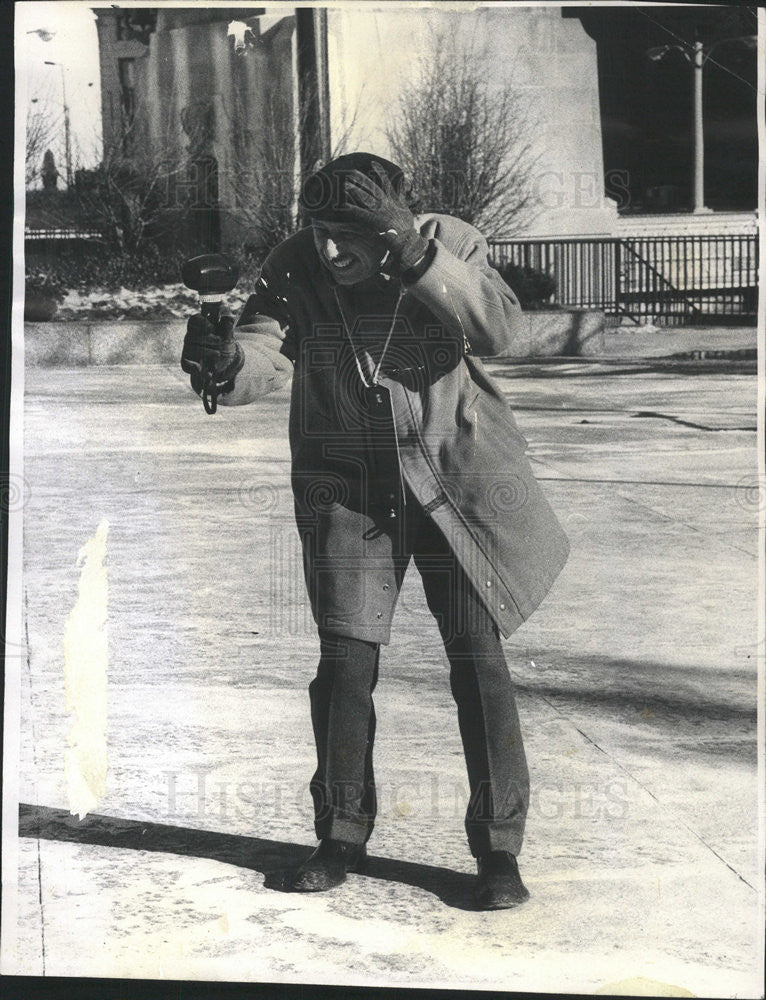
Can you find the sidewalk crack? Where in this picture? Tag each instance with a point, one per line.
(637, 781)
(687, 423)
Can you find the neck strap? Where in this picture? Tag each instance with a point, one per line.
(376, 372)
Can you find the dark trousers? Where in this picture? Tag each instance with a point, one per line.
(343, 713)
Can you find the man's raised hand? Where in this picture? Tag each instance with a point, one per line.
(380, 209)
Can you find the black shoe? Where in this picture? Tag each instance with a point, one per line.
(499, 886)
(328, 865)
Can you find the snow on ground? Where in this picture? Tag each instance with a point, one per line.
(156, 302)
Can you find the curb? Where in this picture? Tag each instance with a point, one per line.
(78, 344)
(576, 335)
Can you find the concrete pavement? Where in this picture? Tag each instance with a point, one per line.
(637, 690)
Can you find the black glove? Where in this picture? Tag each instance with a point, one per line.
(382, 210)
(211, 355)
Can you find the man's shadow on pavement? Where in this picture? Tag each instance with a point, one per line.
(273, 858)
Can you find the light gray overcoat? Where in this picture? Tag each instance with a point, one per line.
(462, 454)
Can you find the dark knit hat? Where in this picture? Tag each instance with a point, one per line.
(323, 193)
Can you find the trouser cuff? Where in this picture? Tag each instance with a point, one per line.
(484, 841)
(340, 828)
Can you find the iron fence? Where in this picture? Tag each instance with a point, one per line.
(670, 279)
(62, 233)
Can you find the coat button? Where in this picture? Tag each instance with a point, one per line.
(502, 607)
(489, 583)
(386, 586)
(379, 614)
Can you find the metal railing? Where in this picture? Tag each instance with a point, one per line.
(62, 233)
(674, 279)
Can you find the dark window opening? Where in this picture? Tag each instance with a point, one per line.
(136, 25)
(127, 74)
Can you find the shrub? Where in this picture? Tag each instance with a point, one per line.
(42, 293)
(534, 289)
(42, 282)
(463, 139)
(89, 266)
(97, 276)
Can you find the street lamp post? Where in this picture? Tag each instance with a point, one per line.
(698, 144)
(697, 54)
(67, 136)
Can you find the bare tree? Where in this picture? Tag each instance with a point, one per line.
(132, 196)
(42, 128)
(261, 171)
(465, 143)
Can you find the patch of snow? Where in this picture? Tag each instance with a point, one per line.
(174, 301)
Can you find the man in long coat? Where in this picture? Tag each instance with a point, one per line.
(402, 447)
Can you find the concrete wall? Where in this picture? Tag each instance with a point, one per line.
(76, 343)
(555, 333)
(543, 334)
(688, 224)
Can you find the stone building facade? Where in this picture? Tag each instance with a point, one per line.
(550, 61)
(211, 88)
(219, 86)
(203, 81)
